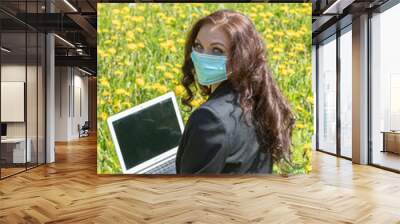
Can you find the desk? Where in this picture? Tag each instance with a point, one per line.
(13, 150)
(391, 141)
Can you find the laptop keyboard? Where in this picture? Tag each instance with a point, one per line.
(166, 168)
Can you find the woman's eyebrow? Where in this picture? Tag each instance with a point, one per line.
(218, 43)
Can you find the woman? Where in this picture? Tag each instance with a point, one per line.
(246, 124)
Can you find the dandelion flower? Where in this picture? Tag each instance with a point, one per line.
(139, 82)
(132, 46)
(118, 72)
(161, 68)
(179, 90)
(112, 50)
(168, 75)
(139, 30)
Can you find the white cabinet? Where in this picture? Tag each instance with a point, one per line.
(18, 149)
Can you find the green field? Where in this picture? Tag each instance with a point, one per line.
(140, 53)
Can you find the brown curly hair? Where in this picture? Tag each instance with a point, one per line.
(259, 96)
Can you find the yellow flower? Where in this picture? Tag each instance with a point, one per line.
(160, 88)
(126, 104)
(161, 15)
(301, 126)
(168, 75)
(161, 68)
(103, 116)
(167, 44)
(116, 22)
(137, 18)
(140, 45)
(179, 90)
(132, 46)
(139, 30)
(112, 50)
(308, 151)
(130, 34)
(104, 82)
(121, 91)
(105, 93)
(175, 70)
(173, 49)
(196, 103)
(278, 50)
(299, 47)
(116, 106)
(125, 9)
(260, 6)
(169, 20)
(139, 82)
(275, 57)
(181, 41)
(118, 72)
(102, 53)
(308, 168)
(279, 33)
(115, 11)
(310, 99)
(285, 21)
(285, 8)
(292, 55)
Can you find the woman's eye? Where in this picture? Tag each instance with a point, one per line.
(197, 46)
(217, 51)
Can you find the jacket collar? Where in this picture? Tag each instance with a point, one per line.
(223, 89)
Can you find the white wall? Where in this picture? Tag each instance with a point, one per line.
(69, 82)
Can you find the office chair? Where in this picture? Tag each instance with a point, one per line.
(84, 130)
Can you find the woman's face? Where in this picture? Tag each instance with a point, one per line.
(212, 40)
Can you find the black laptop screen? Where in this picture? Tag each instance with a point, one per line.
(147, 133)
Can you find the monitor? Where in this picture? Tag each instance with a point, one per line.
(3, 129)
(146, 131)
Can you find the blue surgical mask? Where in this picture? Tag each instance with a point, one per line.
(210, 69)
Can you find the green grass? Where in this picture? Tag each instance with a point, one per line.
(140, 52)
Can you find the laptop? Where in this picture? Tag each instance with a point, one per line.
(146, 137)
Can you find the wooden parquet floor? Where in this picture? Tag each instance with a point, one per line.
(70, 191)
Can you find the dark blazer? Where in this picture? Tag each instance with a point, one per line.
(216, 139)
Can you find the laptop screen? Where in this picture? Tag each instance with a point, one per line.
(147, 133)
